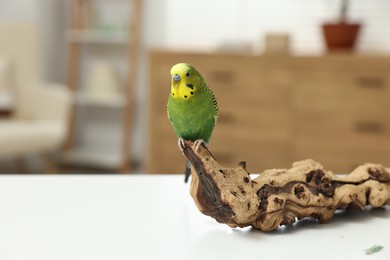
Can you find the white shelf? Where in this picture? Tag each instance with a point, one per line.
(97, 36)
(114, 101)
(85, 157)
(108, 32)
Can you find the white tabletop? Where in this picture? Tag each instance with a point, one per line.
(153, 217)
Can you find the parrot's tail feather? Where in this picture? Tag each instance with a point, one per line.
(187, 171)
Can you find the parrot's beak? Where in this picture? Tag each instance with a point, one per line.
(176, 77)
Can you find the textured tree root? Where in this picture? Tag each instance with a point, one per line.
(280, 196)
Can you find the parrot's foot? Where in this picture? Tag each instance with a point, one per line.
(181, 144)
(198, 143)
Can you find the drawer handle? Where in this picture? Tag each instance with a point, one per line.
(225, 118)
(369, 127)
(222, 76)
(371, 82)
(223, 157)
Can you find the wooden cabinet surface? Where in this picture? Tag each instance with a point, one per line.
(275, 110)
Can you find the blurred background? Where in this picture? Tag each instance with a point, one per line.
(84, 83)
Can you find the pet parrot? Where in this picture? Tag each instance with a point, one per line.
(192, 108)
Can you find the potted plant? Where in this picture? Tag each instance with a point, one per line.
(341, 35)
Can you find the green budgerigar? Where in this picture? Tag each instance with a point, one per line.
(192, 107)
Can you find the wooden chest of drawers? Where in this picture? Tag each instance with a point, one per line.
(274, 110)
(342, 111)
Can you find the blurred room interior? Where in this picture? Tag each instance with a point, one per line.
(84, 83)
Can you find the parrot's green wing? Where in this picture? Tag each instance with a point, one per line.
(169, 114)
(216, 112)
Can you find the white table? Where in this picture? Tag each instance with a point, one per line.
(153, 217)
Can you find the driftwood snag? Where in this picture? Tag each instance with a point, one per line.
(280, 196)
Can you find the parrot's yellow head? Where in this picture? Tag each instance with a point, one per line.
(186, 81)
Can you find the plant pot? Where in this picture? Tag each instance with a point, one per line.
(340, 36)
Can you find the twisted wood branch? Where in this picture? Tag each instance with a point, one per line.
(280, 196)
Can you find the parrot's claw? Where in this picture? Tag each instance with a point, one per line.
(198, 143)
(181, 144)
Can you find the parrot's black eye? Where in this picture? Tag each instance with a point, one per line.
(187, 74)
